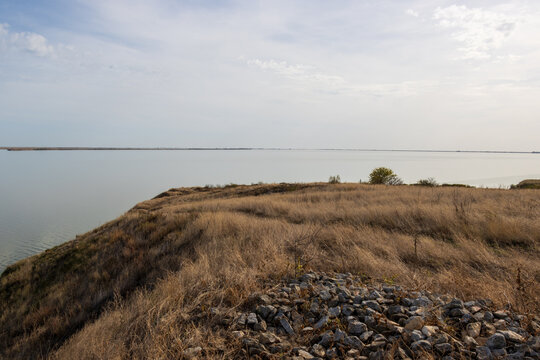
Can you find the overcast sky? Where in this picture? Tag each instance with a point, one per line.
(354, 74)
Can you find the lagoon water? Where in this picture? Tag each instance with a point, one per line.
(48, 197)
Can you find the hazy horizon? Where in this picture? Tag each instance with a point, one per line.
(306, 74)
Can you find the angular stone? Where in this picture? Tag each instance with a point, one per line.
(488, 316)
(483, 353)
(357, 327)
(266, 310)
(339, 335)
(334, 311)
(496, 341)
(304, 354)
(421, 344)
(331, 353)
(372, 304)
(327, 338)
(318, 350)
(443, 348)
(365, 336)
(354, 342)
(429, 330)
(512, 336)
(260, 326)
(499, 353)
(469, 341)
(457, 312)
(322, 322)
(268, 338)
(252, 319)
(473, 329)
(395, 309)
(286, 326)
(417, 335)
(325, 295)
(414, 323)
(456, 304)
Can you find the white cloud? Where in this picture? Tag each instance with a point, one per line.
(479, 31)
(25, 41)
(310, 78)
(411, 12)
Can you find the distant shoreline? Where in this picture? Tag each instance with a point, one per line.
(77, 148)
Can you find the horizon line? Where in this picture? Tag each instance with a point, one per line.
(113, 148)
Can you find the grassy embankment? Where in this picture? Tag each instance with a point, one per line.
(141, 285)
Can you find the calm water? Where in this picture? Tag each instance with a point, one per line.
(47, 198)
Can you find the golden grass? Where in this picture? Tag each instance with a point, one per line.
(142, 286)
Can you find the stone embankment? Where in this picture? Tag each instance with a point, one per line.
(322, 316)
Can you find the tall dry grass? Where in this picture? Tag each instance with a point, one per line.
(142, 286)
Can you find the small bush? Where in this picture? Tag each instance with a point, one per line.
(427, 182)
(382, 175)
(334, 179)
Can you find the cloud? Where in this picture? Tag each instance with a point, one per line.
(479, 31)
(310, 78)
(26, 41)
(411, 12)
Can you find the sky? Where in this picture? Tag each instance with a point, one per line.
(399, 74)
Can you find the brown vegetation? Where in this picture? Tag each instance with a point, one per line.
(142, 286)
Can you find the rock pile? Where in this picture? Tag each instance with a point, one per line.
(319, 316)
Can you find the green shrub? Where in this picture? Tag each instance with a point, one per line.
(382, 175)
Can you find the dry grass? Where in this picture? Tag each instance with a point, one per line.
(142, 286)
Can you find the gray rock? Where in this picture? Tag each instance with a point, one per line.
(534, 343)
(395, 309)
(260, 326)
(339, 335)
(252, 319)
(318, 350)
(469, 341)
(286, 326)
(357, 327)
(321, 323)
(354, 342)
(473, 329)
(365, 336)
(331, 353)
(417, 335)
(372, 304)
(457, 312)
(443, 348)
(327, 338)
(483, 353)
(512, 336)
(242, 319)
(429, 330)
(455, 304)
(347, 310)
(266, 310)
(325, 295)
(422, 301)
(334, 311)
(499, 353)
(421, 344)
(268, 338)
(496, 341)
